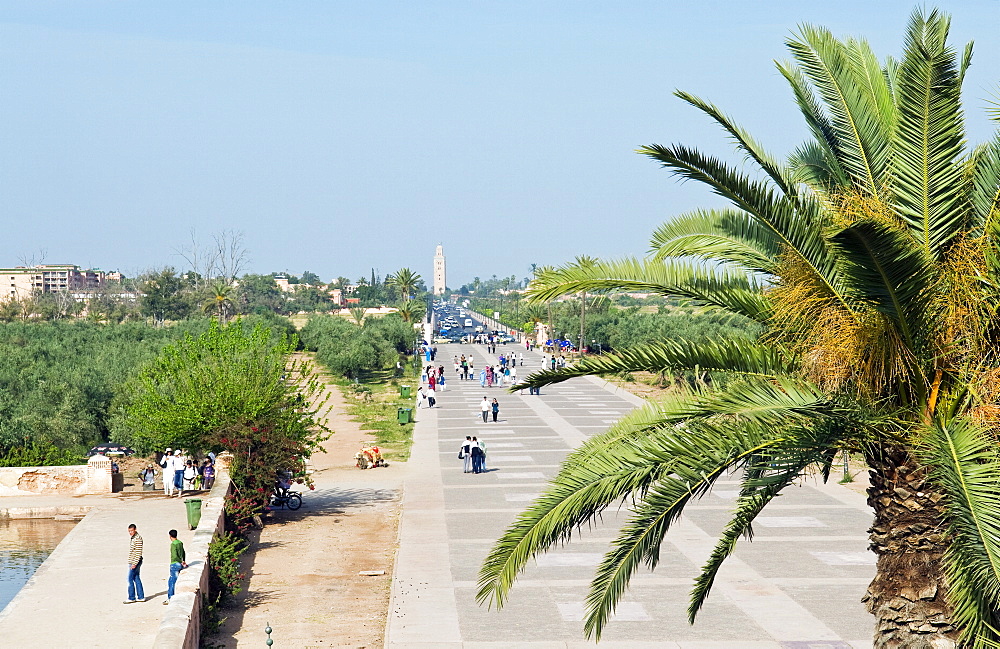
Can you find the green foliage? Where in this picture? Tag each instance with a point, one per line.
(198, 386)
(225, 576)
(57, 379)
(347, 349)
(163, 297)
(259, 294)
(40, 454)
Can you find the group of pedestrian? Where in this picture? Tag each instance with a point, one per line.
(180, 473)
(463, 367)
(553, 362)
(433, 377)
(510, 360)
(178, 561)
(473, 454)
(491, 375)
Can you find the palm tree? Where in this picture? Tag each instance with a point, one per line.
(405, 281)
(220, 302)
(358, 314)
(871, 261)
(411, 310)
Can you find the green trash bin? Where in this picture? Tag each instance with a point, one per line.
(403, 415)
(193, 511)
(404, 391)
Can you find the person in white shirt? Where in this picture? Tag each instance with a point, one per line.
(177, 464)
(168, 472)
(465, 454)
(485, 408)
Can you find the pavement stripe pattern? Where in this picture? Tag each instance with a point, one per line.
(797, 586)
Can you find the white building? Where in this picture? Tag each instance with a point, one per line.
(439, 271)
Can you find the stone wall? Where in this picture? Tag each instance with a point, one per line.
(180, 627)
(94, 477)
(63, 480)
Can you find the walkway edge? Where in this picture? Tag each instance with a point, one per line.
(59, 550)
(422, 579)
(180, 626)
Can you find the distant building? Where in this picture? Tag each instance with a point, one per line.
(439, 271)
(283, 284)
(337, 296)
(24, 281)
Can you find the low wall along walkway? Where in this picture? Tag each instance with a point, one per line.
(181, 624)
(94, 477)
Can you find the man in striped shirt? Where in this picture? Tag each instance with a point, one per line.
(135, 593)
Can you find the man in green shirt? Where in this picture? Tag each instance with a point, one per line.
(177, 563)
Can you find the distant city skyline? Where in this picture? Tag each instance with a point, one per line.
(340, 137)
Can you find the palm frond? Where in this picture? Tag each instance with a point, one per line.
(874, 83)
(730, 356)
(928, 180)
(860, 140)
(764, 477)
(717, 287)
(677, 445)
(817, 120)
(639, 541)
(744, 140)
(884, 269)
(985, 191)
(966, 466)
(718, 235)
(813, 164)
(797, 222)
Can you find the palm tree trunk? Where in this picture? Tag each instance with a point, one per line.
(907, 595)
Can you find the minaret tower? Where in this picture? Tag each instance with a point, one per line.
(439, 274)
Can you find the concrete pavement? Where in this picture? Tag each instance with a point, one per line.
(75, 599)
(797, 586)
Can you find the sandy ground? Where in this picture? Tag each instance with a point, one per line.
(304, 579)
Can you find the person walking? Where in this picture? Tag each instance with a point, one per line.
(135, 592)
(208, 475)
(495, 409)
(477, 456)
(177, 462)
(178, 561)
(485, 408)
(465, 454)
(513, 375)
(482, 378)
(168, 472)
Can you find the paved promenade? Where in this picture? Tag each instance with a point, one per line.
(75, 599)
(797, 586)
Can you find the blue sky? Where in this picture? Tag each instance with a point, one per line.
(341, 136)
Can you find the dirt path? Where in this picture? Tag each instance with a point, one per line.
(304, 578)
